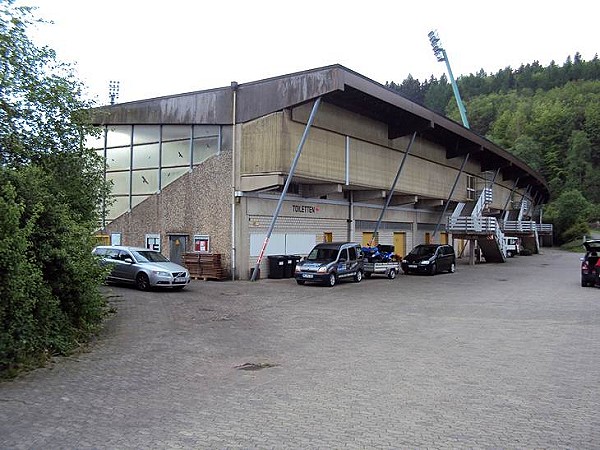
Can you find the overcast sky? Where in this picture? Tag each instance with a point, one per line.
(156, 48)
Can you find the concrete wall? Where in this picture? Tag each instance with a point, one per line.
(197, 203)
(268, 145)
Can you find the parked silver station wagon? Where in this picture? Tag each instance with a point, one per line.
(143, 267)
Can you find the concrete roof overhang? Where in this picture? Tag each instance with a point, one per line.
(336, 85)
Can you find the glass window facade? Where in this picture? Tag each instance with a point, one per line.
(142, 159)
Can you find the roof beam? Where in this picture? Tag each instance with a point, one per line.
(407, 126)
(401, 200)
(361, 196)
(318, 190)
(461, 148)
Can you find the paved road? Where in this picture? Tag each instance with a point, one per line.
(493, 356)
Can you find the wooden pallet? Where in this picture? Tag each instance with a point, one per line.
(204, 266)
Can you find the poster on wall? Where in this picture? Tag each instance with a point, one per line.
(202, 243)
(153, 242)
(115, 239)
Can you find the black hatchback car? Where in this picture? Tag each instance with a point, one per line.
(589, 275)
(430, 259)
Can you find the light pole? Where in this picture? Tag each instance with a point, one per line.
(441, 55)
(113, 91)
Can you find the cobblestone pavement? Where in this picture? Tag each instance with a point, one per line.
(493, 356)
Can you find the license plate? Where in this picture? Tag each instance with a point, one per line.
(307, 275)
(179, 280)
(412, 266)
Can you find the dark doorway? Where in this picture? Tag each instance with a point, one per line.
(177, 247)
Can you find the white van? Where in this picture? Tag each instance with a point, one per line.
(513, 246)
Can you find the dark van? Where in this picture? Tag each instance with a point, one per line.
(430, 259)
(330, 262)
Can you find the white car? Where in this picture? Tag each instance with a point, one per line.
(143, 267)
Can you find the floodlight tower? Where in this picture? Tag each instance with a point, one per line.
(113, 91)
(441, 55)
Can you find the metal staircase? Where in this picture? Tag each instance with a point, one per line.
(527, 230)
(485, 230)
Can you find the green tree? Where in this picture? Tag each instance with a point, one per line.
(438, 94)
(570, 210)
(579, 165)
(547, 116)
(50, 189)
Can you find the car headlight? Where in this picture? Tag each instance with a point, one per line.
(160, 273)
(322, 269)
(404, 261)
(298, 269)
(424, 263)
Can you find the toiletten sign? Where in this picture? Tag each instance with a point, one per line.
(304, 210)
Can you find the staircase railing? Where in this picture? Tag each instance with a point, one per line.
(519, 226)
(478, 226)
(544, 228)
(485, 198)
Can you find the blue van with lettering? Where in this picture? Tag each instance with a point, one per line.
(331, 262)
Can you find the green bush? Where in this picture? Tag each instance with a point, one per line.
(50, 187)
(48, 277)
(576, 231)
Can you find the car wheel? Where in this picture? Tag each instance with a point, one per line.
(452, 268)
(392, 274)
(331, 280)
(142, 282)
(583, 283)
(358, 276)
(433, 269)
(300, 282)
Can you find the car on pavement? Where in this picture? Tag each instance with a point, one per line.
(330, 262)
(589, 268)
(430, 259)
(142, 267)
(513, 246)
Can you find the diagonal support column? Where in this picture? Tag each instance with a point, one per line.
(311, 119)
(391, 192)
(462, 168)
(504, 210)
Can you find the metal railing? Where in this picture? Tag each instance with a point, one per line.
(519, 226)
(544, 228)
(483, 226)
(526, 226)
(473, 225)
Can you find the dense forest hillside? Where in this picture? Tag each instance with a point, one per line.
(547, 116)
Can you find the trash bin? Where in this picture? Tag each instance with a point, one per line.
(277, 265)
(290, 268)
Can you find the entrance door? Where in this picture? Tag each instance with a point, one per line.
(177, 247)
(400, 243)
